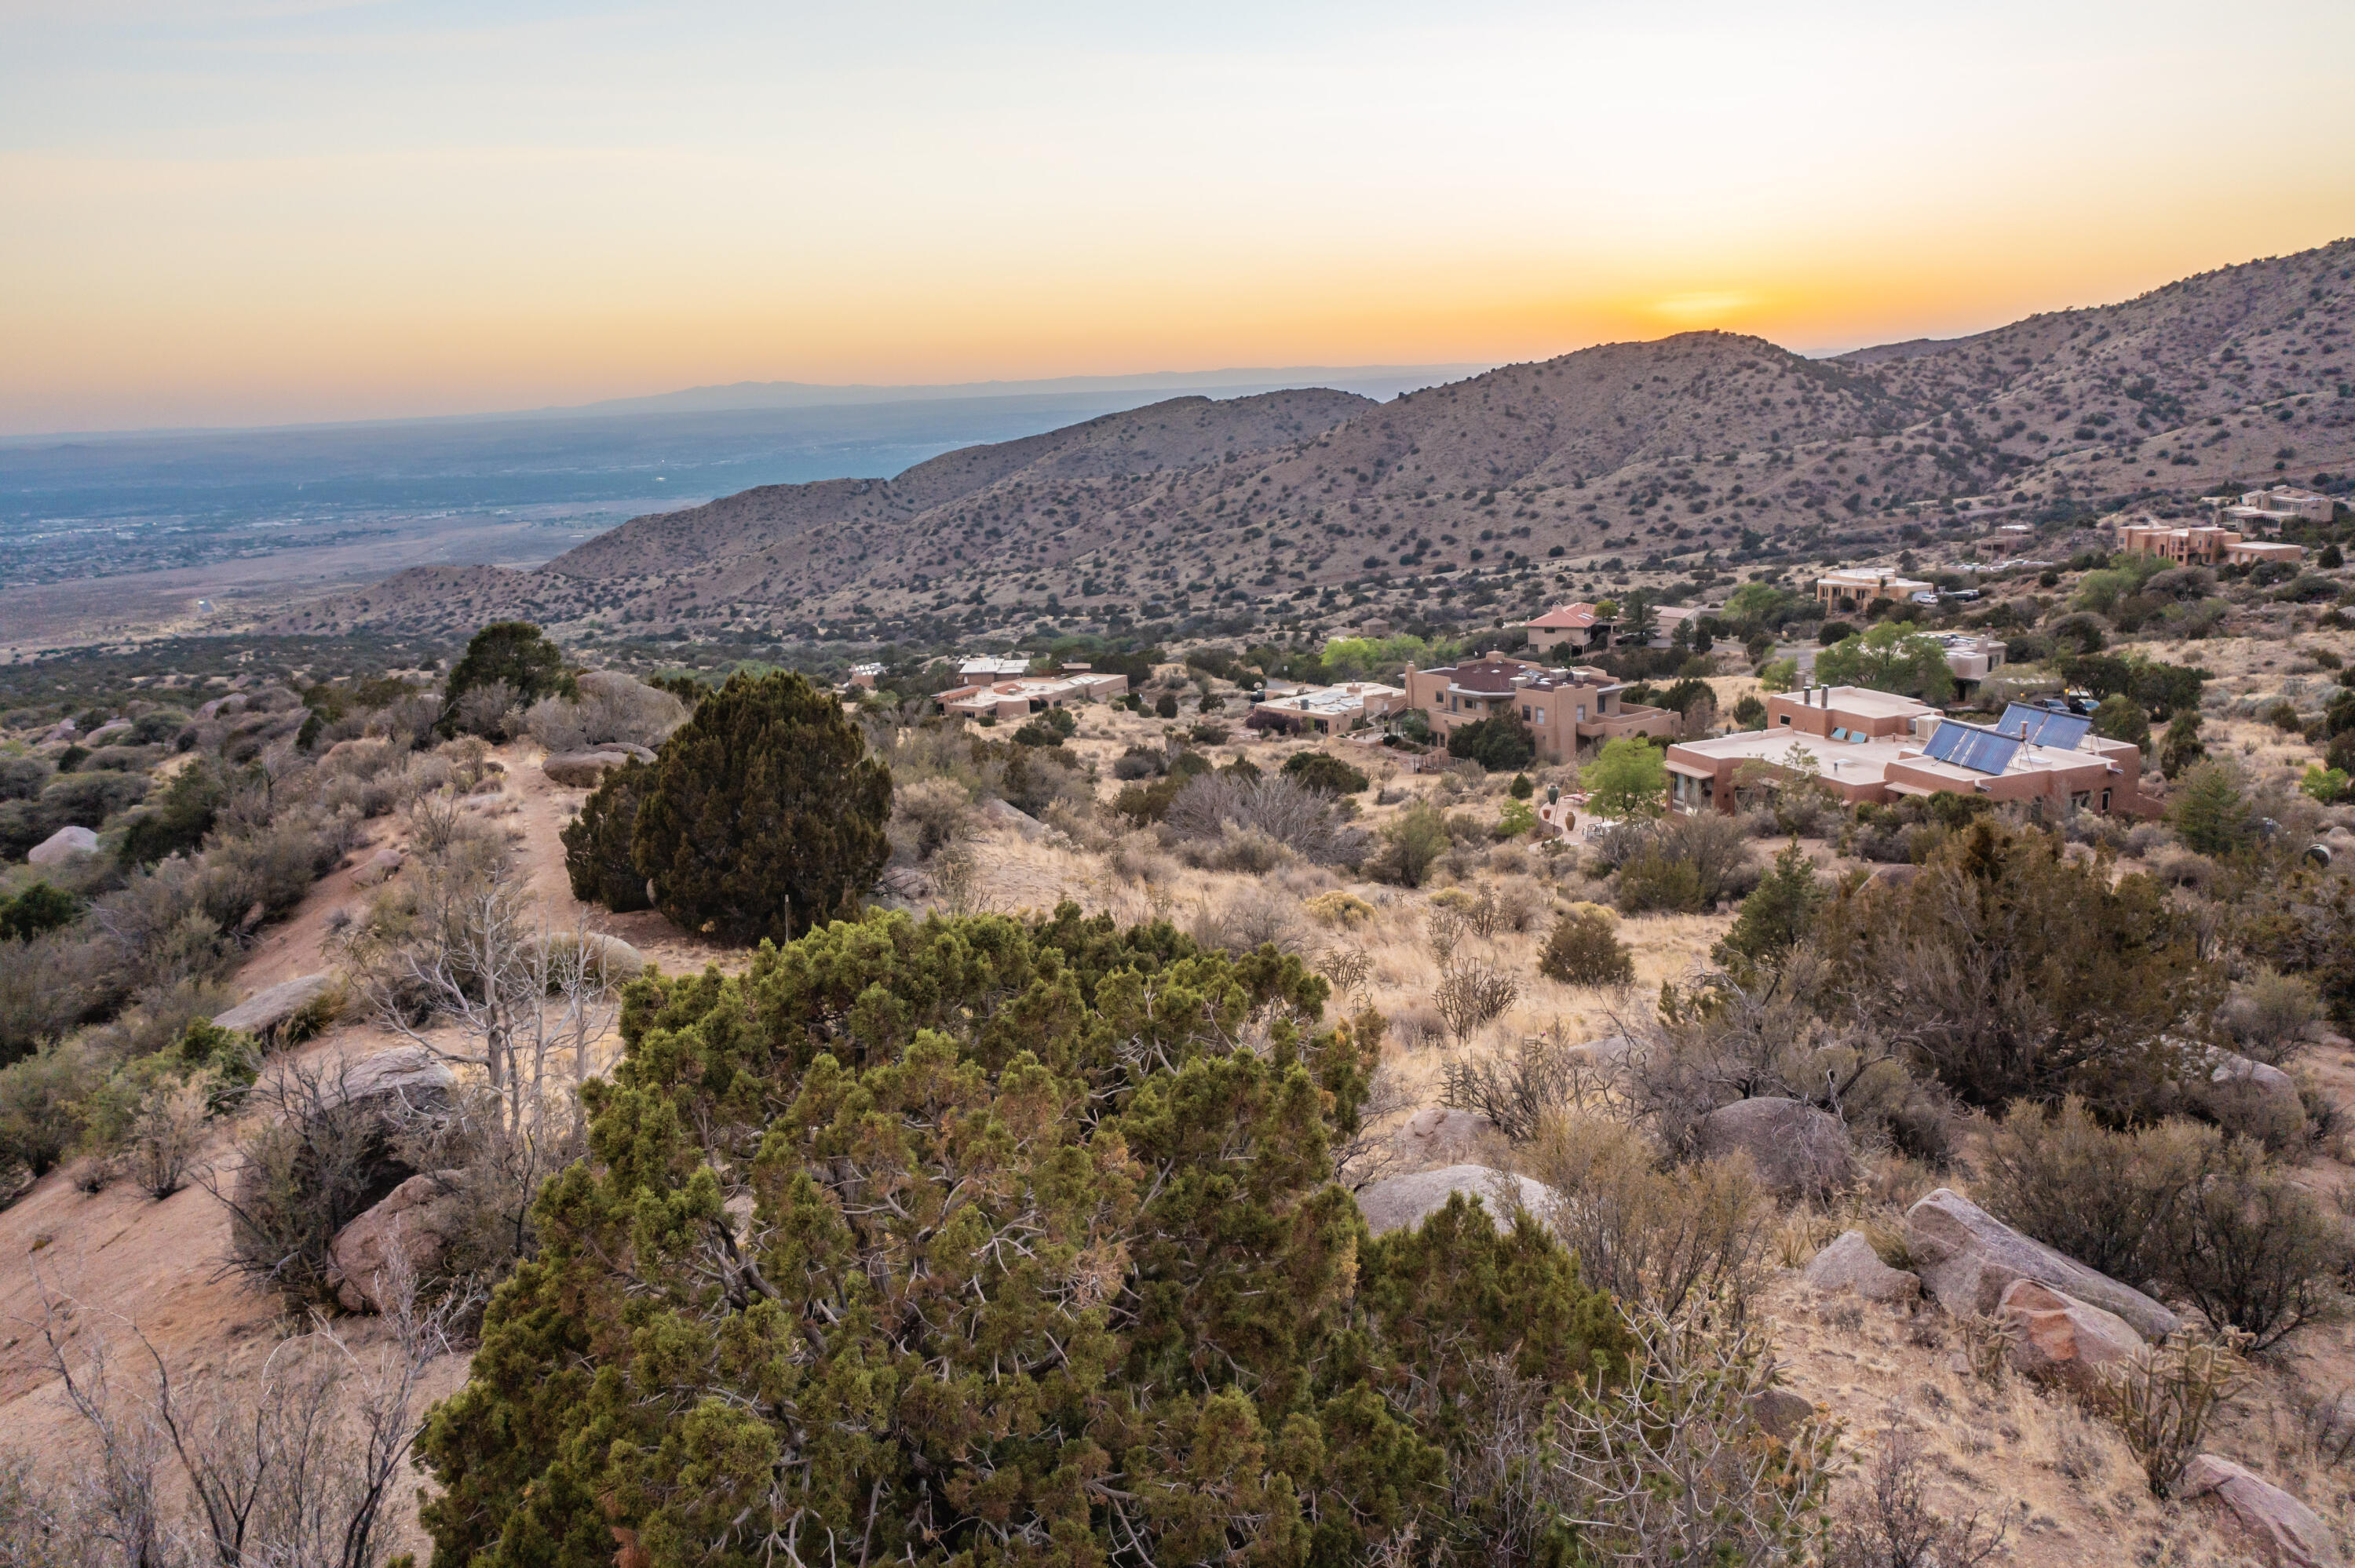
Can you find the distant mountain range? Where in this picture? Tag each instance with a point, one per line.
(1503, 488)
(1367, 380)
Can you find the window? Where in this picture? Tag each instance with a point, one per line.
(1786, 719)
(1525, 713)
(1582, 713)
(1541, 716)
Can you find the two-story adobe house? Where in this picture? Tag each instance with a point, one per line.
(1561, 706)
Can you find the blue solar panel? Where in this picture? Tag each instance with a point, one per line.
(1967, 745)
(2042, 726)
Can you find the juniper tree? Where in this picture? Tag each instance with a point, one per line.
(766, 812)
(982, 1242)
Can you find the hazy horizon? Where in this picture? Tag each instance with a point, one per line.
(242, 213)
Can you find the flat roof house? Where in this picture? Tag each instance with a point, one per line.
(2204, 545)
(1868, 745)
(1031, 694)
(1561, 706)
(1325, 710)
(2275, 507)
(990, 667)
(1971, 657)
(1862, 584)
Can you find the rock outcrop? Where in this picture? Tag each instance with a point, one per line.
(1968, 1258)
(2057, 1336)
(1798, 1150)
(63, 844)
(1437, 1134)
(1781, 1412)
(377, 868)
(413, 1222)
(2256, 1099)
(583, 770)
(1404, 1201)
(268, 1012)
(1851, 1264)
(2283, 1531)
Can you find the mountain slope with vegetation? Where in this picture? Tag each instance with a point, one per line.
(1699, 451)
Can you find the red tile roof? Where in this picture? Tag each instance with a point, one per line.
(1566, 617)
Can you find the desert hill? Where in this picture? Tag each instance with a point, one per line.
(1704, 445)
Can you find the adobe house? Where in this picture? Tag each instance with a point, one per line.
(1861, 586)
(1560, 706)
(1868, 745)
(1568, 630)
(1031, 695)
(1325, 710)
(2204, 545)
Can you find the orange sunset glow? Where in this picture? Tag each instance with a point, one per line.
(224, 214)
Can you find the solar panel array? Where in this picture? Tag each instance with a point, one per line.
(2044, 728)
(1967, 745)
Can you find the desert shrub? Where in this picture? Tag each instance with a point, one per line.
(1471, 995)
(2267, 1014)
(2108, 1199)
(930, 815)
(1138, 762)
(39, 1100)
(1165, 706)
(166, 1132)
(1659, 1234)
(2013, 972)
(1677, 862)
(1345, 910)
(22, 777)
(2209, 811)
(599, 859)
(1584, 949)
(1654, 882)
(319, 1158)
(1675, 1466)
(1890, 1521)
(1779, 913)
(1178, 1229)
(2253, 1251)
(607, 706)
(265, 873)
(177, 821)
(2163, 1402)
(766, 813)
(1221, 807)
(1500, 744)
(1325, 773)
(514, 655)
(1517, 1091)
(1249, 919)
(88, 799)
(36, 910)
(1411, 843)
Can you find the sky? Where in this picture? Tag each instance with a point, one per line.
(233, 212)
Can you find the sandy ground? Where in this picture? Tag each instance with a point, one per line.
(120, 1262)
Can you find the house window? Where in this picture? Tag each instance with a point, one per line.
(1582, 713)
(1541, 716)
(2106, 799)
(1525, 713)
(1786, 719)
